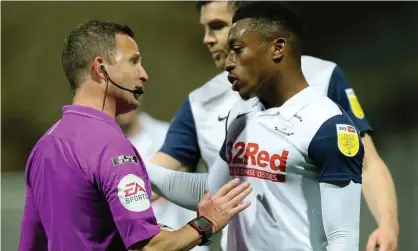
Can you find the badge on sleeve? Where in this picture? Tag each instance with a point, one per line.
(124, 159)
(354, 103)
(348, 140)
(132, 193)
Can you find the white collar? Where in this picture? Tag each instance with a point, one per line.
(293, 105)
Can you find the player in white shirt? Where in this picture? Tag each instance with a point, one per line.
(197, 130)
(147, 135)
(300, 151)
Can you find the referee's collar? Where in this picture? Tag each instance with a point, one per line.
(91, 112)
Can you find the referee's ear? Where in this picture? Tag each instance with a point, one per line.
(96, 71)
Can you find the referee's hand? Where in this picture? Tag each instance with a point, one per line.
(221, 207)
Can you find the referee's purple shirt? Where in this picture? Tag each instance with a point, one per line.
(86, 187)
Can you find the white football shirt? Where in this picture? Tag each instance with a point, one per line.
(198, 128)
(285, 153)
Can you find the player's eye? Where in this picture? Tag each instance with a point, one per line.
(237, 49)
(217, 25)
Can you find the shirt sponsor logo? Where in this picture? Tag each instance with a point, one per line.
(242, 156)
(132, 193)
(124, 159)
(348, 140)
(354, 103)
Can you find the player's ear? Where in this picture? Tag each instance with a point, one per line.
(279, 49)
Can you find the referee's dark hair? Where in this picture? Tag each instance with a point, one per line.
(274, 19)
(87, 41)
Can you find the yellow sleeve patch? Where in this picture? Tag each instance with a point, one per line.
(354, 103)
(348, 140)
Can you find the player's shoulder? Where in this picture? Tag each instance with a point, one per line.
(318, 72)
(325, 117)
(323, 123)
(216, 87)
(322, 108)
(337, 132)
(312, 65)
(316, 113)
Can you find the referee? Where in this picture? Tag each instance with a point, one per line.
(86, 185)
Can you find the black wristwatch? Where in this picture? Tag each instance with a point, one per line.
(204, 227)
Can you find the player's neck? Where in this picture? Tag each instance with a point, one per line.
(86, 97)
(286, 86)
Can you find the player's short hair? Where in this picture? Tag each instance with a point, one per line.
(231, 3)
(200, 4)
(273, 19)
(87, 41)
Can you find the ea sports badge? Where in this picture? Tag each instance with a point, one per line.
(132, 193)
(348, 140)
(354, 104)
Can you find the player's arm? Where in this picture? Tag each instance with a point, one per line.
(218, 209)
(378, 187)
(219, 174)
(180, 150)
(33, 237)
(181, 188)
(380, 195)
(337, 153)
(186, 189)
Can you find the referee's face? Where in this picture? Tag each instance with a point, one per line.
(128, 72)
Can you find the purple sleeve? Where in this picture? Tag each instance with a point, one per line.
(32, 236)
(123, 179)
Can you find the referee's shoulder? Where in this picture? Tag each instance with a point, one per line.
(87, 136)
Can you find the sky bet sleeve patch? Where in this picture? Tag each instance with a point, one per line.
(348, 140)
(124, 159)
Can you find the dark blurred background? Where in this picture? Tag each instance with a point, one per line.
(375, 43)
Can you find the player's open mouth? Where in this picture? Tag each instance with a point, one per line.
(234, 81)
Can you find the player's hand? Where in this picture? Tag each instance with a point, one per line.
(220, 208)
(384, 239)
